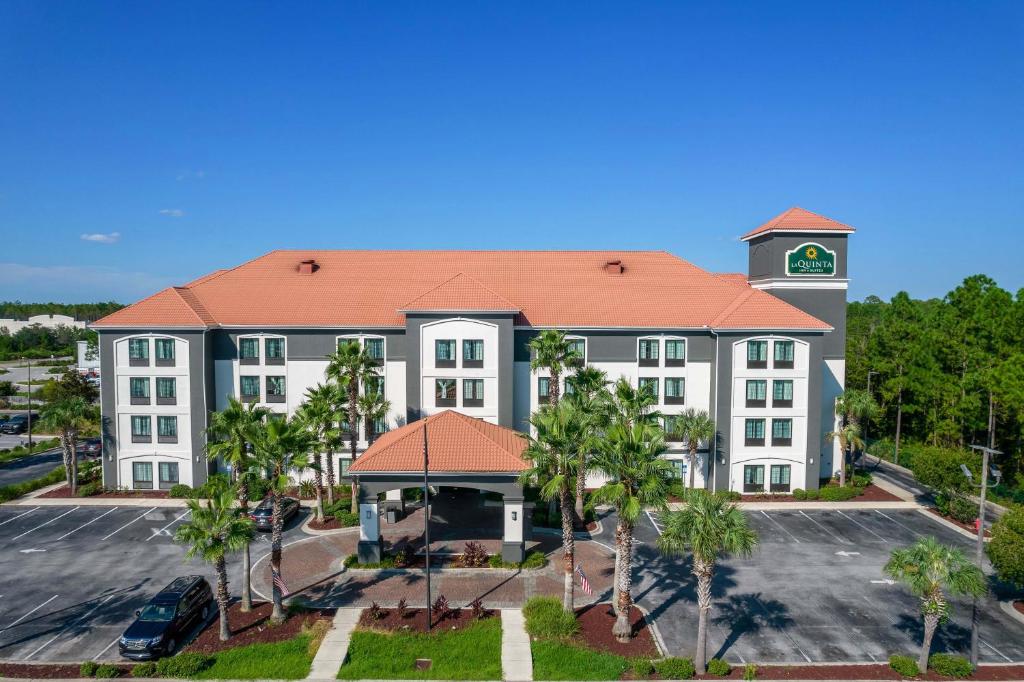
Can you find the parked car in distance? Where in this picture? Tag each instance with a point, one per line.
(263, 514)
(162, 624)
(90, 447)
(16, 424)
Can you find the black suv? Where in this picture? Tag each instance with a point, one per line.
(16, 424)
(167, 619)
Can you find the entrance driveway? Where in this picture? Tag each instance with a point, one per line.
(813, 592)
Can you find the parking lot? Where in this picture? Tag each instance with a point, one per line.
(814, 592)
(71, 577)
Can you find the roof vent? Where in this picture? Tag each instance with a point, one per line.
(308, 267)
(613, 267)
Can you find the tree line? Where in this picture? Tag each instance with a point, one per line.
(88, 312)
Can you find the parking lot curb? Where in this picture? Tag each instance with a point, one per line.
(333, 531)
(950, 524)
(1007, 605)
(811, 504)
(97, 501)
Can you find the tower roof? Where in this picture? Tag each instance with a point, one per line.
(798, 219)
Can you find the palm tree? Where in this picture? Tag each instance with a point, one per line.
(629, 454)
(67, 417)
(848, 436)
(350, 366)
(553, 352)
(317, 418)
(930, 570)
(212, 531)
(280, 446)
(854, 407)
(553, 452)
(227, 441)
(696, 426)
(710, 526)
(372, 407)
(590, 395)
(335, 402)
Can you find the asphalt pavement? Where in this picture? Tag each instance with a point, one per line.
(31, 467)
(72, 577)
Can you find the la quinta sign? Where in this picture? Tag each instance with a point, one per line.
(811, 259)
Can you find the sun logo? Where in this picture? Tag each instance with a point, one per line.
(812, 253)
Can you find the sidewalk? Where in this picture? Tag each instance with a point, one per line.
(334, 648)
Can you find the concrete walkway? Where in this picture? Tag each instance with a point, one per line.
(334, 648)
(516, 660)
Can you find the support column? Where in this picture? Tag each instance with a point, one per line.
(393, 502)
(513, 545)
(371, 546)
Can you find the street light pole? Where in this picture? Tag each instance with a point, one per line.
(29, 404)
(979, 551)
(867, 421)
(426, 517)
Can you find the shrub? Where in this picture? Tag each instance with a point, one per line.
(474, 556)
(642, 667)
(675, 668)
(403, 608)
(837, 494)
(1006, 550)
(906, 666)
(107, 671)
(546, 618)
(89, 489)
(477, 608)
(376, 612)
(307, 489)
(258, 489)
(813, 494)
(183, 665)
(441, 608)
(718, 667)
(799, 494)
(939, 468)
(963, 510)
(88, 669)
(16, 490)
(214, 483)
(861, 480)
(750, 672)
(147, 669)
(180, 490)
(346, 519)
(534, 559)
(950, 665)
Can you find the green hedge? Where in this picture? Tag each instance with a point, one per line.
(950, 665)
(832, 493)
(16, 490)
(904, 665)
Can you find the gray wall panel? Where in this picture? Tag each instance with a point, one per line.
(621, 346)
(307, 344)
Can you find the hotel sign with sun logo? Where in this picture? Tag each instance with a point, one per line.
(811, 259)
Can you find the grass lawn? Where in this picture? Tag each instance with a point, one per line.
(288, 660)
(554, 660)
(472, 653)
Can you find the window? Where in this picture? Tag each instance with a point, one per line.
(249, 351)
(673, 425)
(373, 385)
(753, 478)
(649, 384)
(138, 352)
(375, 349)
(138, 388)
(275, 389)
(756, 392)
(675, 390)
(678, 469)
(164, 352)
(444, 392)
(166, 391)
(472, 392)
(343, 465)
(780, 478)
(783, 354)
(142, 432)
(543, 390)
(273, 351)
(757, 354)
(578, 348)
(168, 475)
(675, 353)
(782, 393)
(250, 389)
(378, 426)
(754, 429)
(166, 429)
(648, 356)
(142, 475)
(444, 353)
(473, 353)
(782, 432)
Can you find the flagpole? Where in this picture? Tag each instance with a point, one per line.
(426, 516)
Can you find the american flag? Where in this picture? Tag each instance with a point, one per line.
(584, 583)
(279, 583)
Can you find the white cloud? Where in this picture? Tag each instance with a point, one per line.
(172, 212)
(100, 238)
(77, 283)
(191, 175)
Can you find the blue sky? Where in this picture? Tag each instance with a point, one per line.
(185, 137)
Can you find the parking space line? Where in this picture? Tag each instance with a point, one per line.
(106, 648)
(920, 535)
(1008, 660)
(79, 621)
(143, 515)
(87, 523)
(861, 525)
(795, 538)
(653, 522)
(825, 528)
(155, 534)
(30, 612)
(45, 524)
(20, 515)
(788, 636)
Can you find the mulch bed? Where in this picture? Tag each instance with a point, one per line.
(416, 619)
(254, 627)
(969, 527)
(329, 523)
(871, 493)
(65, 492)
(1019, 605)
(596, 623)
(41, 671)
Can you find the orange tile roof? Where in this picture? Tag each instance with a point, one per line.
(798, 219)
(456, 443)
(461, 292)
(734, 277)
(369, 289)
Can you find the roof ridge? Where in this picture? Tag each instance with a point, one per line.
(736, 303)
(474, 280)
(190, 299)
(477, 425)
